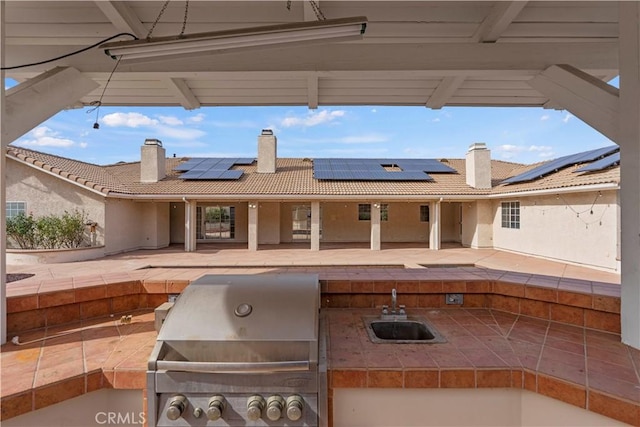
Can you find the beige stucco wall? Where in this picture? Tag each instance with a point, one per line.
(46, 194)
(136, 225)
(477, 224)
(176, 222)
(562, 227)
(456, 407)
(269, 223)
(450, 218)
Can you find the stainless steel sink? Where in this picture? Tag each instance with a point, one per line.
(414, 330)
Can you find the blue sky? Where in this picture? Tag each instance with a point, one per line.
(524, 135)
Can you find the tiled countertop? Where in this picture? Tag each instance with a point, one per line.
(547, 345)
(56, 364)
(489, 348)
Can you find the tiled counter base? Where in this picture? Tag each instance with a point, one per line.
(111, 355)
(488, 348)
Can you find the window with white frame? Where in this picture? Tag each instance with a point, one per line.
(510, 214)
(15, 208)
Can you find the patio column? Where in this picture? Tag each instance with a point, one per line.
(629, 141)
(315, 226)
(190, 225)
(375, 227)
(253, 226)
(3, 195)
(434, 225)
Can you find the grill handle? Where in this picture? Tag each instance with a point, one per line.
(244, 367)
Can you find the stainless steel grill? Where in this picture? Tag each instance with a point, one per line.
(238, 350)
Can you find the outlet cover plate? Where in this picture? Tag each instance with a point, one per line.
(455, 299)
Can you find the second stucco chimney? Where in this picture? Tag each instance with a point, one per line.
(152, 161)
(478, 165)
(267, 151)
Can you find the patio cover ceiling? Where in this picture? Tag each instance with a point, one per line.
(476, 53)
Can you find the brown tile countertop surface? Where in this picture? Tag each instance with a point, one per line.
(59, 363)
(489, 348)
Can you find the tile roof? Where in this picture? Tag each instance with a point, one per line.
(294, 177)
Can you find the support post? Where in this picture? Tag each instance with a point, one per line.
(629, 141)
(253, 226)
(375, 227)
(315, 226)
(434, 225)
(190, 225)
(3, 194)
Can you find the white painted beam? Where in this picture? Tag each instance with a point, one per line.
(501, 16)
(182, 91)
(444, 91)
(375, 226)
(588, 98)
(629, 141)
(3, 191)
(122, 17)
(34, 101)
(312, 92)
(315, 226)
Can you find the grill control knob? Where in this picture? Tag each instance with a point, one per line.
(275, 405)
(177, 405)
(216, 407)
(255, 406)
(295, 404)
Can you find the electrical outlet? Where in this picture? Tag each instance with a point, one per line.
(456, 299)
(173, 297)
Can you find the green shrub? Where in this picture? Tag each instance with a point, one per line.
(48, 232)
(22, 229)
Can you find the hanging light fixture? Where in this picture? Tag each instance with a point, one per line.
(329, 30)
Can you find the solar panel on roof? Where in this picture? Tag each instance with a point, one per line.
(374, 169)
(560, 163)
(601, 164)
(212, 168)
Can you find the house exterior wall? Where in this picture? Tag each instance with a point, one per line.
(450, 222)
(404, 224)
(177, 217)
(269, 223)
(562, 227)
(45, 195)
(477, 224)
(136, 225)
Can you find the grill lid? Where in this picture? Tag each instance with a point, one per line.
(262, 317)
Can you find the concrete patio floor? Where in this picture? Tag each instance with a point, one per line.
(219, 258)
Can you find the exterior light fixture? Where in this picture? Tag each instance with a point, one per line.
(297, 33)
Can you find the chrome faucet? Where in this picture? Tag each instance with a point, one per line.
(394, 314)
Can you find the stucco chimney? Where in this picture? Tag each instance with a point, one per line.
(267, 151)
(152, 161)
(478, 165)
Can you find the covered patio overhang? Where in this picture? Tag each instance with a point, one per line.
(433, 54)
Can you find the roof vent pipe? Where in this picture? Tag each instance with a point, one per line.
(267, 151)
(478, 166)
(152, 161)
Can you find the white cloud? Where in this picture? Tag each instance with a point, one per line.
(43, 136)
(545, 118)
(567, 117)
(196, 119)
(312, 118)
(374, 110)
(131, 120)
(436, 120)
(179, 133)
(510, 151)
(170, 120)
